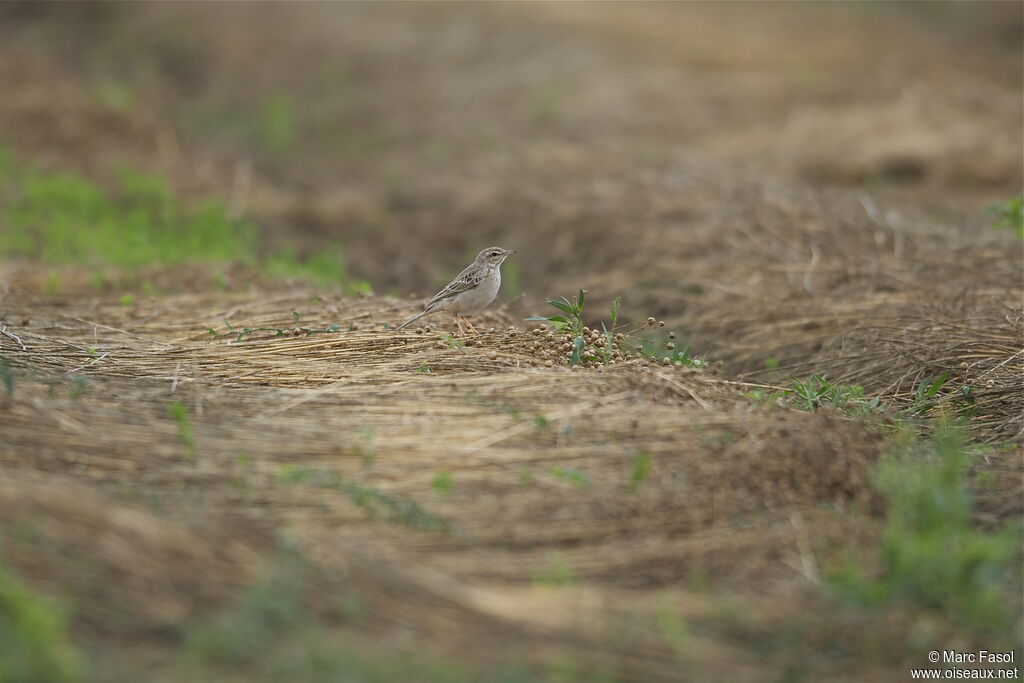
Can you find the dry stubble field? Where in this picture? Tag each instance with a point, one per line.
(793, 190)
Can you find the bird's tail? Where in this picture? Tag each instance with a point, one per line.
(412, 319)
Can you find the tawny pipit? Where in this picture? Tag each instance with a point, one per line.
(471, 291)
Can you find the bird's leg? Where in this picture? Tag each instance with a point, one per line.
(474, 330)
(458, 321)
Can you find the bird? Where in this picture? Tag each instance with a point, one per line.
(471, 291)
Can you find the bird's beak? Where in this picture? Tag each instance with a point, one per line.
(509, 252)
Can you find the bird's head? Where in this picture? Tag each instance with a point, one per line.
(494, 255)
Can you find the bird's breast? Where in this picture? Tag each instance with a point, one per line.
(476, 299)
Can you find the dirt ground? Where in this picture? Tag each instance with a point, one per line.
(791, 188)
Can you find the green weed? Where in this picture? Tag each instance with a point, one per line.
(64, 218)
(815, 391)
(115, 95)
(442, 483)
(277, 124)
(273, 634)
(683, 357)
(373, 501)
(571, 320)
(179, 413)
(1010, 216)
(927, 390)
(451, 340)
(34, 644)
(930, 554)
(265, 613)
(593, 347)
(61, 218)
(572, 475)
(79, 385)
(673, 629)
(641, 468)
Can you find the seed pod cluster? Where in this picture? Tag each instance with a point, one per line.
(551, 347)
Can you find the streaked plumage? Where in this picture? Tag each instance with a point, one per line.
(471, 291)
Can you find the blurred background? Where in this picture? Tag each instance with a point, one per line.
(794, 188)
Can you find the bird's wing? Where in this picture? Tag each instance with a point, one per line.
(468, 279)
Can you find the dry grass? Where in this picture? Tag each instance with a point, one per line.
(736, 496)
(281, 426)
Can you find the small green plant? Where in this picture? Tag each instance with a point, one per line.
(673, 629)
(815, 391)
(613, 312)
(572, 319)
(78, 387)
(926, 390)
(272, 632)
(571, 475)
(179, 413)
(965, 402)
(684, 357)
(931, 555)
(641, 468)
(34, 644)
(1010, 216)
(265, 613)
(442, 482)
(372, 501)
(451, 341)
(594, 348)
(115, 95)
(277, 124)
